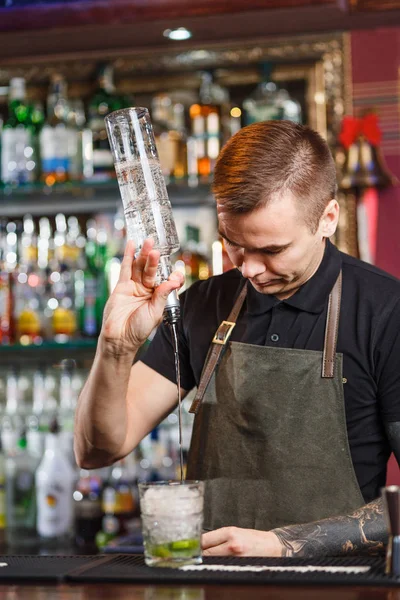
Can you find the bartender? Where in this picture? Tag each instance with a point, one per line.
(294, 353)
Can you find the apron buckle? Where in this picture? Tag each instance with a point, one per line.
(223, 332)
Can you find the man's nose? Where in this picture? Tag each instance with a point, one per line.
(251, 266)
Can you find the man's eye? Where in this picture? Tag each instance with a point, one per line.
(271, 252)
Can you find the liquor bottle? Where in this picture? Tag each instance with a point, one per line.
(38, 120)
(206, 123)
(54, 136)
(17, 152)
(21, 496)
(101, 259)
(7, 329)
(104, 101)
(195, 263)
(80, 148)
(170, 136)
(64, 317)
(88, 510)
(268, 102)
(118, 501)
(66, 409)
(116, 252)
(55, 479)
(2, 497)
(27, 288)
(86, 285)
(38, 421)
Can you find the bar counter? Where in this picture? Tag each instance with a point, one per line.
(116, 591)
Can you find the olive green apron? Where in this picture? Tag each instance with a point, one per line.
(269, 436)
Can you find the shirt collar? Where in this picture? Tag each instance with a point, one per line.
(312, 296)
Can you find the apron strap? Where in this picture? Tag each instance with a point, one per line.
(218, 344)
(224, 331)
(331, 329)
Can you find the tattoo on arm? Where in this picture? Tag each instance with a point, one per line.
(362, 532)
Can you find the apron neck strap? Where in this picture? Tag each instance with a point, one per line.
(331, 329)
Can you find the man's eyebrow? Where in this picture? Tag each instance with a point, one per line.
(270, 248)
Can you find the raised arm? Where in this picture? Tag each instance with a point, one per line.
(121, 403)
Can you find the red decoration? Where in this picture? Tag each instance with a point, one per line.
(353, 128)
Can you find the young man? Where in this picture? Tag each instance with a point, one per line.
(297, 417)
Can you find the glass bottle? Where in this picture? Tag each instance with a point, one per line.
(17, 152)
(80, 148)
(54, 136)
(55, 480)
(170, 136)
(21, 496)
(207, 118)
(104, 101)
(268, 102)
(147, 208)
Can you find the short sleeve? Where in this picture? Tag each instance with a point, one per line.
(388, 366)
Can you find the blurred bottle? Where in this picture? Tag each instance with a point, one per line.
(87, 510)
(55, 135)
(64, 317)
(27, 286)
(206, 124)
(55, 480)
(80, 147)
(88, 285)
(7, 324)
(38, 421)
(18, 161)
(66, 409)
(2, 497)
(104, 101)
(118, 501)
(21, 496)
(192, 260)
(169, 130)
(268, 102)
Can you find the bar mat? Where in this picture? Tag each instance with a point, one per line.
(261, 571)
(42, 568)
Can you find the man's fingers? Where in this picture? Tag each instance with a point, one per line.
(221, 550)
(149, 271)
(127, 262)
(214, 538)
(139, 264)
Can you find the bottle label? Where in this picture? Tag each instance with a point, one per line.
(54, 143)
(54, 509)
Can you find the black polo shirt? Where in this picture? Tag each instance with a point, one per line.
(369, 338)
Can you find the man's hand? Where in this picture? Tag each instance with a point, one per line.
(233, 541)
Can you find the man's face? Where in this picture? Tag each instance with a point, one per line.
(272, 246)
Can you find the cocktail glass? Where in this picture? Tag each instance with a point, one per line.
(172, 520)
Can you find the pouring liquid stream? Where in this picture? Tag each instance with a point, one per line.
(178, 383)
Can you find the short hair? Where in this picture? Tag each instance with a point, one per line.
(270, 158)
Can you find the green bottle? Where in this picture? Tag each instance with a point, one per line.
(21, 496)
(101, 260)
(87, 301)
(18, 162)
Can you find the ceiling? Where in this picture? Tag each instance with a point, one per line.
(81, 28)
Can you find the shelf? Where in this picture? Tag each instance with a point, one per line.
(49, 353)
(87, 197)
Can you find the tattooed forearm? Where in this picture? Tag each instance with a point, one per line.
(362, 532)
